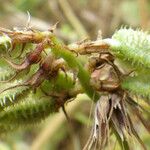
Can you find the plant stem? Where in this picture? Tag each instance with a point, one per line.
(84, 77)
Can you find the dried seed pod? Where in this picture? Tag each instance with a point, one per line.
(31, 58)
(26, 36)
(97, 62)
(48, 69)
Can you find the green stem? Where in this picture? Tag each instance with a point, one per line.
(84, 77)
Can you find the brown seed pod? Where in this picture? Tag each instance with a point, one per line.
(97, 62)
(31, 58)
(48, 69)
(26, 36)
(105, 79)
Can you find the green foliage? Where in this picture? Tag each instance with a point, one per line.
(54, 74)
(6, 72)
(29, 111)
(63, 83)
(139, 85)
(133, 46)
(84, 77)
(11, 96)
(5, 43)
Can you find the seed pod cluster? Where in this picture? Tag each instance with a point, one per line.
(17, 87)
(50, 74)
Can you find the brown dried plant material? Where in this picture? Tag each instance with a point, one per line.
(33, 57)
(48, 69)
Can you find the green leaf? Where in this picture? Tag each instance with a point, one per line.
(139, 85)
(5, 43)
(31, 111)
(132, 46)
(12, 95)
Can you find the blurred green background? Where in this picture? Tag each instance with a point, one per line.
(78, 20)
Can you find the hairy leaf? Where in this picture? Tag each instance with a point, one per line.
(12, 95)
(29, 111)
(139, 85)
(132, 46)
